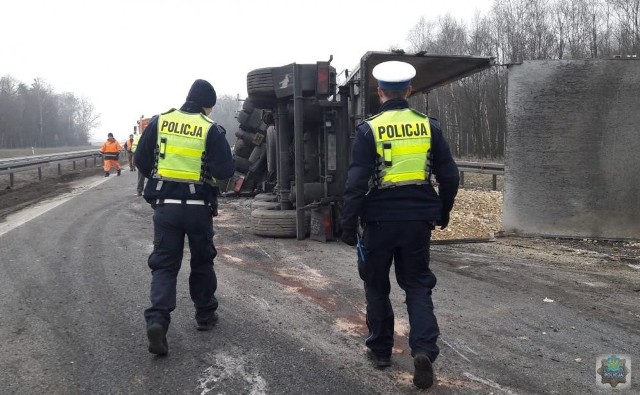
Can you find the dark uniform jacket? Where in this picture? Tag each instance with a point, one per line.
(219, 162)
(400, 203)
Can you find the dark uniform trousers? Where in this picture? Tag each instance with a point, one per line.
(140, 186)
(171, 222)
(406, 244)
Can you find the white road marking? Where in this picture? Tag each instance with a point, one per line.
(233, 258)
(266, 253)
(457, 352)
(489, 383)
(231, 369)
(469, 349)
(263, 303)
(23, 216)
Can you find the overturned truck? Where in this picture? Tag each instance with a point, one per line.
(296, 128)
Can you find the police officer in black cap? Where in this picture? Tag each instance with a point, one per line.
(182, 153)
(389, 191)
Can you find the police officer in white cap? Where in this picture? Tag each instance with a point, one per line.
(389, 192)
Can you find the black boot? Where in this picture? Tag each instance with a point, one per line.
(106, 174)
(209, 323)
(379, 362)
(423, 374)
(118, 171)
(157, 335)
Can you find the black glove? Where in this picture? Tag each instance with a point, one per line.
(443, 221)
(348, 237)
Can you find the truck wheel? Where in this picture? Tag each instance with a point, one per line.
(247, 106)
(242, 164)
(243, 117)
(265, 197)
(276, 223)
(260, 83)
(242, 149)
(256, 204)
(261, 102)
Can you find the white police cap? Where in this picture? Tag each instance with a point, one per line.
(394, 75)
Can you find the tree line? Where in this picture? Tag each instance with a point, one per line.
(472, 111)
(36, 116)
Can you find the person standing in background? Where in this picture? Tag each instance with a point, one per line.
(110, 151)
(128, 147)
(141, 177)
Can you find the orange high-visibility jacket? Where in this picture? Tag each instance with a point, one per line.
(111, 147)
(128, 144)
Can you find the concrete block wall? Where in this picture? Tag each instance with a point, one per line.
(572, 160)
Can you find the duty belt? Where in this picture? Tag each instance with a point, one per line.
(178, 201)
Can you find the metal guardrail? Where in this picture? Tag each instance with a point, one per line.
(495, 169)
(24, 163)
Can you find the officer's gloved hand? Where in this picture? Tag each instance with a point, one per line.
(348, 236)
(443, 221)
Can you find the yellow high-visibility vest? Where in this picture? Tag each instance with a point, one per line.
(181, 147)
(403, 144)
(134, 145)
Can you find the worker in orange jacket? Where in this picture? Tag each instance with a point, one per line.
(110, 154)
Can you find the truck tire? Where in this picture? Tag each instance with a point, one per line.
(276, 223)
(247, 106)
(266, 103)
(242, 149)
(260, 83)
(242, 164)
(243, 117)
(266, 197)
(256, 204)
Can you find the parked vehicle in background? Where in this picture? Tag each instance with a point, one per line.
(142, 124)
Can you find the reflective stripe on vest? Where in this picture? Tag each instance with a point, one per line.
(181, 146)
(403, 144)
(134, 145)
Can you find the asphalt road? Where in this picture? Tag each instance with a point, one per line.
(74, 284)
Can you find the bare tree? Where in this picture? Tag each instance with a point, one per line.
(538, 37)
(9, 113)
(87, 118)
(419, 36)
(224, 113)
(628, 13)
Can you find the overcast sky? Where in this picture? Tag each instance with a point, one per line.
(139, 57)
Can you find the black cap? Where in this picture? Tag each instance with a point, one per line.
(202, 93)
(110, 135)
